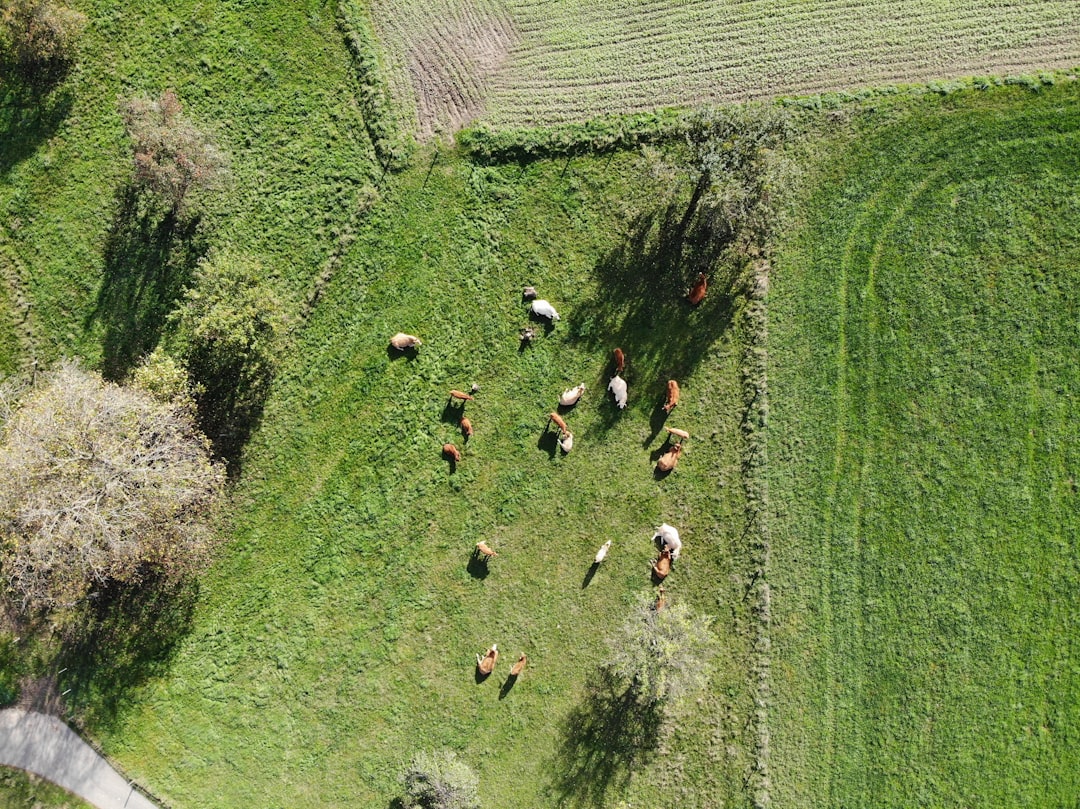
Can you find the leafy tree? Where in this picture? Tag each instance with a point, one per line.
(662, 654)
(440, 781)
(102, 485)
(37, 40)
(734, 154)
(172, 155)
(229, 325)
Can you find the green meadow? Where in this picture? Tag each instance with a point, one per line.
(923, 457)
(923, 322)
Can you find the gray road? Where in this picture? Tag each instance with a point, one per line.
(47, 747)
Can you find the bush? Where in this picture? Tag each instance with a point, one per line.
(440, 781)
(662, 655)
(102, 485)
(37, 40)
(172, 155)
(229, 325)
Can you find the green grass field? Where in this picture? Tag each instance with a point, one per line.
(337, 633)
(922, 332)
(19, 790)
(923, 461)
(516, 63)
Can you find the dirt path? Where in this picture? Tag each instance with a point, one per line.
(47, 747)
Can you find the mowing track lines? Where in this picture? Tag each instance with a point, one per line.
(860, 227)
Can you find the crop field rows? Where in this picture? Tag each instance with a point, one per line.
(526, 63)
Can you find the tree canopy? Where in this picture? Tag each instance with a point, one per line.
(103, 484)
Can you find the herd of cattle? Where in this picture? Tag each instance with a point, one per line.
(666, 536)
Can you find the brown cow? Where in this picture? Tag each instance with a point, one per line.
(486, 664)
(663, 565)
(555, 417)
(466, 428)
(620, 361)
(518, 667)
(672, 396)
(457, 394)
(450, 451)
(697, 292)
(484, 550)
(669, 459)
(661, 599)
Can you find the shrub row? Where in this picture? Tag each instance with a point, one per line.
(391, 147)
(608, 133)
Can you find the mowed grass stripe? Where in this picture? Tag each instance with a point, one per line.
(910, 624)
(571, 61)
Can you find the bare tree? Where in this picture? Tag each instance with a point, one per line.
(172, 155)
(102, 484)
(440, 781)
(662, 654)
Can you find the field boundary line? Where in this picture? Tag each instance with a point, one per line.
(755, 481)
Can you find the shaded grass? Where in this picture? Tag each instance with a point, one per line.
(923, 331)
(338, 632)
(20, 790)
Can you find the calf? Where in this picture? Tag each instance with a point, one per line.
(486, 664)
(466, 428)
(672, 396)
(484, 550)
(620, 361)
(697, 292)
(452, 452)
(669, 459)
(402, 341)
(518, 667)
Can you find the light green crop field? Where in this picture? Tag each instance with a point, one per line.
(516, 63)
(924, 332)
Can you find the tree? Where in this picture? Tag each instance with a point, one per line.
(662, 654)
(102, 485)
(172, 155)
(440, 781)
(37, 40)
(229, 326)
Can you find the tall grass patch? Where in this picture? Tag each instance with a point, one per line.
(923, 459)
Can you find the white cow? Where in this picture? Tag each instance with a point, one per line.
(617, 385)
(544, 309)
(669, 538)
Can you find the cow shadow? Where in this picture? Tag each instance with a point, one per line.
(589, 575)
(477, 567)
(549, 442)
(603, 741)
(508, 685)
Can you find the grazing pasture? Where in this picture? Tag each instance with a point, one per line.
(924, 456)
(338, 633)
(527, 63)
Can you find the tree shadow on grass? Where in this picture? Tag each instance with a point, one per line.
(126, 635)
(149, 259)
(26, 120)
(230, 400)
(603, 740)
(640, 304)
